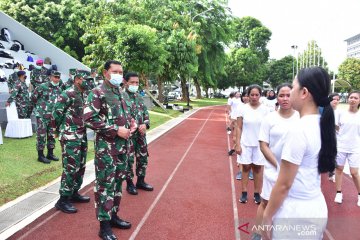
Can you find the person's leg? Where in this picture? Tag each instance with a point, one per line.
(40, 140)
(80, 171)
(259, 218)
(130, 187)
(340, 162)
(141, 152)
(50, 142)
(354, 160)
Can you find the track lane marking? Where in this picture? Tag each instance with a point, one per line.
(152, 206)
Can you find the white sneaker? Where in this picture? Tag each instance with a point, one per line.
(332, 178)
(358, 203)
(339, 197)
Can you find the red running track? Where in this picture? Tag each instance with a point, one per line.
(195, 196)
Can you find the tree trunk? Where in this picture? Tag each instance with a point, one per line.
(183, 89)
(207, 92)
(198, 89)
(144, 80)
(160, 88)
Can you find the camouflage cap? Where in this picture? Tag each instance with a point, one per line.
(56, 73)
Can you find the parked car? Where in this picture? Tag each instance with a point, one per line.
(173, 96)
(219, 95)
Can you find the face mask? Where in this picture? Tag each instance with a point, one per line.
(38, 67)
(116, 79)
(133, 88)
(16, 70)
(54, 84)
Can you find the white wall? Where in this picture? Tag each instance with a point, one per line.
(38, 45)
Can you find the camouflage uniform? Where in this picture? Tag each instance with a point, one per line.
(68, 119)
(38, 77)
(20, 95)
(139, 146)
(12, 80)
(44, 98)
(69, 83)
(107, 109)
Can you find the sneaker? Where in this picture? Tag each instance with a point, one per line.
(257, 198)
(251, 176)
(231, 152)
(332, 178)
(239, 175)
(256, 236)
(243, 198)
(339, 198)
(358, 203)
(228, 130)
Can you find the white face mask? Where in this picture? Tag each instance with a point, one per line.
(116, 79)
(133, 88)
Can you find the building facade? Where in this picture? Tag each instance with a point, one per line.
(353, 47)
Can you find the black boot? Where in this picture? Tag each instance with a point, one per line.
(141, 184)
(65, 206)
(51, 155)
(118, 222)
(130, 188)
(42, 158)
(76, 197)
(105, 232)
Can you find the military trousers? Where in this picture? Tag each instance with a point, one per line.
(139, 151)
(73, 161)
(110, 172)
(44, 132)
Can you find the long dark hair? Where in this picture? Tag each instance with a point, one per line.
(317, 81)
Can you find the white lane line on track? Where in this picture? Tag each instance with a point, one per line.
(45, 220)
(148, 212)
(233, 192)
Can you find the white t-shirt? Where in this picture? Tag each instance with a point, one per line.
(251, 124)
(235, 107)
(348, 138)
(229, 101)
(273, 131)
(302, 146)
(271, 104)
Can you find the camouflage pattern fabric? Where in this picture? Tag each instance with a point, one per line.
(43, 99)
(73, 162)
(107, 109)
(139, 145)
(20, 95)
(13, 78)
(38, 77)
(69, 83)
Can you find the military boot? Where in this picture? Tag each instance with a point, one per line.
(64, 205)
(141, 184)
(118, 222)
(76, 197)
(42, 158)
(51, 155)
(105, 232)
(130, 188)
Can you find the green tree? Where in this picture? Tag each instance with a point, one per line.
(349, 70)
(280, 71)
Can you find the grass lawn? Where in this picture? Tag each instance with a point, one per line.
(195, 103)
(158, 116)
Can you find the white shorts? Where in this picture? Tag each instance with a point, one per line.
(234, 115)
(251, 155)
(353, 159)
(269, 179)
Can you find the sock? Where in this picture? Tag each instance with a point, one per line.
(340, 192)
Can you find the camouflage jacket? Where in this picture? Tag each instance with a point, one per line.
(13, 78)
(68, 114)
(106, 109)
(38, 77)
(69, 83)
(20, 95)
(43, 99)
(138, 109)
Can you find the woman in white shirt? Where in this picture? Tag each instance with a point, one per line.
(272, 132)
(270, 101)
(309, 149)
(348, 145)
(228, 111)
(334, 101)
(249, 152)
(235, 106)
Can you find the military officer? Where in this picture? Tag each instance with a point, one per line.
(68, 121)
(20, 95)
(139, 146)
(43, 100)
(107, 112)
(39, 74)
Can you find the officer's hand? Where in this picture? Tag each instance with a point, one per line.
(7, 104)
(133, 125)
(123, 132)
(142, 129)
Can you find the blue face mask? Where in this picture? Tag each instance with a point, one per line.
(116, 79)
(133, 88)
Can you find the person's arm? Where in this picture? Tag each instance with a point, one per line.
(268, 154)
(13, 95)
(239, 124)
(58, 114)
